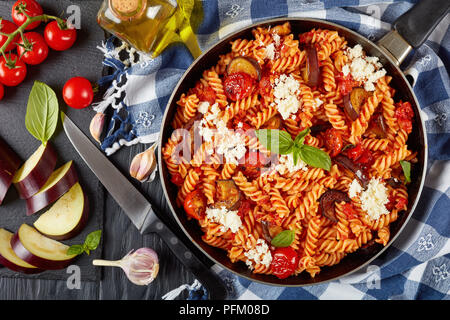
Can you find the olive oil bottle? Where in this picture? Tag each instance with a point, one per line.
(140, 23)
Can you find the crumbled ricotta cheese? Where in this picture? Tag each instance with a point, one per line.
(276, 38)
(270, 51)
(354, 189)
(203, 107)
(229, 219)
(374, 199)
(260, 254)
(286, 90)
(229, 143)
(205, 131)
(363, 68)
(213, 113)
(286, 164)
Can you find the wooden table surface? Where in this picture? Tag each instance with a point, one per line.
(119, 235)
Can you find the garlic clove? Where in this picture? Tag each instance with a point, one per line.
(96, 126)
(143, 164)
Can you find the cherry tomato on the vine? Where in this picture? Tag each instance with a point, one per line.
(2, 91)
(8, 27)
(12, 71)
(31, 8)
(78, 93)
(60, 37)
(35, 50)
(284, 262)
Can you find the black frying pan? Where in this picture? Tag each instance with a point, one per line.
(410, 31)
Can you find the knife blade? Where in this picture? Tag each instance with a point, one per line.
(138, 208)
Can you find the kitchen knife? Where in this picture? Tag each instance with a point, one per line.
(139, 209)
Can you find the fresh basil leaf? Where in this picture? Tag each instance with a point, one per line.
(295, 154)
(301, 137)
(406, 166)
(93, 239)
(75, 249)
(42, 112)
(315, 157)
(283, 239)
(276, 141)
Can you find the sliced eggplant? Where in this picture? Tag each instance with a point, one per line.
(318, 128)
(273, 123)
(312, 71)
(378, 126)
(353, 102)
(356, 169)
(228, 195)
(327, 200)
(246, 65)
(270, 230)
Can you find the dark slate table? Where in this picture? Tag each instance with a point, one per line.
(119, 235)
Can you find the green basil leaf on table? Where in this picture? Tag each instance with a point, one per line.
(283, 239)
(75, 249)
(91, 243)
(315, 157)
(41, 118)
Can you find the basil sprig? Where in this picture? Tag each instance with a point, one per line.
(41, 118)
(406, 166)
(91, 243)
(283, 239)
(281, 142)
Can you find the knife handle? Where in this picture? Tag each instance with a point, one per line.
(208, 278)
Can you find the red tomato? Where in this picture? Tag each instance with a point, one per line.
(35, 51)
(2, 91)
(253, 162)
(355, 152)
(360, 155)
(8, 27)
(59, 38)
(404, 114)
(78, 93)
(264, 86)
(284, 262)
(177, 179)
(333, 141)
(238, 85)
(12, 72)
(32, 9)
(401, 203)
(345, 83)
(207, 94)
(195, 204)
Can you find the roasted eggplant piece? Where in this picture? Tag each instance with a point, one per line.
(353, 102)
(378, 126)
(312, 71)
(228, 195)
(327, 200)
(246, 65)
(270, 230)
(356, 169)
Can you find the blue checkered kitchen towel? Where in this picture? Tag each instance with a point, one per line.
(417, 264)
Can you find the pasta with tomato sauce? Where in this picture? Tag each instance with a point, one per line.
(280, 212)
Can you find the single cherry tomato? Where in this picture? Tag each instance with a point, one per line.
(12, 71)
(195, 204)
(238, 85)
(284, 262)
(355, 152)
(34, 50)
(2, 91)
(7, 27)
(253, 162)
(60, 37)
(177, 179)
(333, 141)
(32, 9)
(78, 93)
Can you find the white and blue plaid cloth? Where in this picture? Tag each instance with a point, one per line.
(417, 264)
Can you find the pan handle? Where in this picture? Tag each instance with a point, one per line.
(413, 28)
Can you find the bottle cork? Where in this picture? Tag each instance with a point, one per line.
(128, 9)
